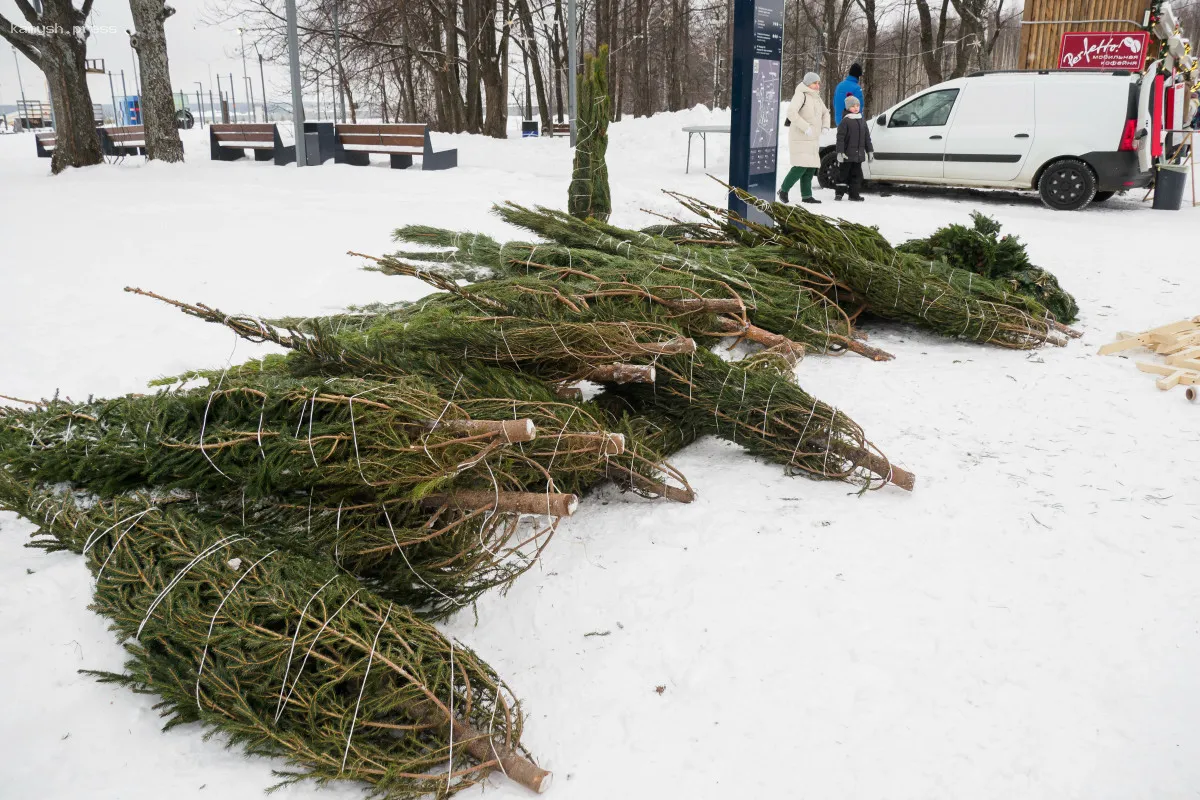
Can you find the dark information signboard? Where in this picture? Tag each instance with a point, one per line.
(754, 135)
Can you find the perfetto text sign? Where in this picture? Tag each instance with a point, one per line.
(1104, 50)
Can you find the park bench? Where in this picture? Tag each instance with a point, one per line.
(123, 140)
(353, 144)
(229, 142)
(45, 144)
(560, 129)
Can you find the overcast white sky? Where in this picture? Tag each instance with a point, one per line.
(196, 50)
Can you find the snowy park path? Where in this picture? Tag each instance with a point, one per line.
(1025, 625)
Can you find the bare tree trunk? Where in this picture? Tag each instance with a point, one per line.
(457, 105)
(539, 81)
(869, 91)
(643, 91)
(975, 27)
(832, 22)
(348, 92)
(931, 56)
(473, 30)
(59, 53)
(487, 93)
(157, 101)
(556, 67)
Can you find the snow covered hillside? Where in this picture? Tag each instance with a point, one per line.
(1025, 625)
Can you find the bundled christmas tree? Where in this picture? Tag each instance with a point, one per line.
(589, 194)
(409, 493)
(707, 299)
(931, 295)
(982, 249)
(286, 656)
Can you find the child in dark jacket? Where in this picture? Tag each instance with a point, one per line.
(853, 148)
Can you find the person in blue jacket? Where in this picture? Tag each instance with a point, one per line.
(849, 86)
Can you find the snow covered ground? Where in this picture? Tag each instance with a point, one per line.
(1025, 625)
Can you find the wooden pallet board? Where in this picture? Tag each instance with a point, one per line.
(1178, 341)
(1170, 338)
(1171, 375)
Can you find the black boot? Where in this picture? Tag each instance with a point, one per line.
(809, 200)
(783, 196)
(857, 198)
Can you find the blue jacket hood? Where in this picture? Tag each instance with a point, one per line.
(849, 85)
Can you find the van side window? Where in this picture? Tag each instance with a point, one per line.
(927, 111)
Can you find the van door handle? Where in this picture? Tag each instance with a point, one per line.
(936, 136)
(1021, 136)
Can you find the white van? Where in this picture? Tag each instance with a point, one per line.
(1073, 136)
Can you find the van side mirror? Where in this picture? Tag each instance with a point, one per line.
(881, 119)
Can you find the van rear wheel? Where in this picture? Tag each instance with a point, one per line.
(1067, 185)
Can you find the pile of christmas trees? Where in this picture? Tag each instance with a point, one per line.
(273, 539)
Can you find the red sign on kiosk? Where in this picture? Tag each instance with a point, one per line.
(1104, 50)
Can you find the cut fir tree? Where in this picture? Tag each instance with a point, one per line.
(285, 656)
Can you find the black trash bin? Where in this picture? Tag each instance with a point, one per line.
(1169, 184)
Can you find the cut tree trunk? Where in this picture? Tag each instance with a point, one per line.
(622, 373)
(157, 101)
(551, 504)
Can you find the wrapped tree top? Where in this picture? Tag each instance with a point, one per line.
(589, 194)
(982, 249)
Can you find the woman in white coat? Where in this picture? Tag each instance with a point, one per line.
(807, 116)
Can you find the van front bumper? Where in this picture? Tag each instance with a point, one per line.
(1117, 171)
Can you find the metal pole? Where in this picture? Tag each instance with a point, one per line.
(221, 97)
(263, 83)
(337, 47)
(318, 85)
(112, 92)
(212, 111)
(233, 96)
(250, 94)
(572, 66)
(242, 38)
(200, 101)
(24, 102)
(297, 96)
(124, 100)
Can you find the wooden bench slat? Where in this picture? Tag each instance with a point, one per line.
(245, 136)
(387, 151)
(244, 127)
(382, 140)
(396, 128)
